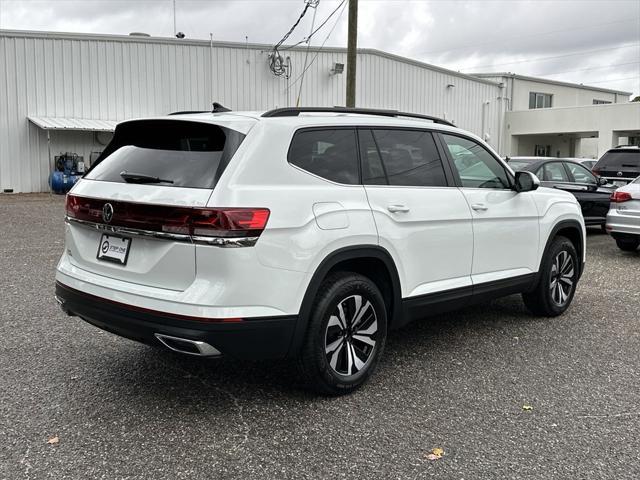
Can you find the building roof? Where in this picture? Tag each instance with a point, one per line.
(550, 81)
(81, 124)
(256, 46)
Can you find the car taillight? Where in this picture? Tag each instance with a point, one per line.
(618, 196)
(229, 222)
(200, 222)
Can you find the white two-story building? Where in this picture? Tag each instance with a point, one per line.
(549, 118)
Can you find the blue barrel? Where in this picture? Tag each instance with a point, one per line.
(61, 182)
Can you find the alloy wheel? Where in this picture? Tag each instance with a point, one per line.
(562, 278)
(350, 336)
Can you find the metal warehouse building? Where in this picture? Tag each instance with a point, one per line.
(63, 92)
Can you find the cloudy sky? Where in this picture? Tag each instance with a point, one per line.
(585, 41)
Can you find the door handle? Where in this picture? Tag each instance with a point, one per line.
(479, 207)
(397, 208)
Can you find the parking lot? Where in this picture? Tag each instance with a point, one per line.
(457, 382)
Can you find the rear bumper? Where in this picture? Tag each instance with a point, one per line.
(247, 338)
(622, 224)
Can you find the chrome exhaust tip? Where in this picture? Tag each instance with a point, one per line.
(61, 302)
(189, 347)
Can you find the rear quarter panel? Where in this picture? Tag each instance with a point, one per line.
(309, 217)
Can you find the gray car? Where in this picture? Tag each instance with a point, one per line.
(623, 219)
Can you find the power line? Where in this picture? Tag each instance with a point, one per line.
(306, 57)
(276, 64)
(540, 59)
(586, 69)
(537, 34)
(306, 40)
(614, 80)
(322, 45)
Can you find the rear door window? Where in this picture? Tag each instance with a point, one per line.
(328, 153)
(401, 157)
(167, 152)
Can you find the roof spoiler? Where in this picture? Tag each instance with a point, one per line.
(217, 108)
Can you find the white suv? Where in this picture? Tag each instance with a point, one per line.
(306, 233)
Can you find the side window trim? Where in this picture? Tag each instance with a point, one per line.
(568, 173)
(444, 161)
(384, 168)
(450, 160)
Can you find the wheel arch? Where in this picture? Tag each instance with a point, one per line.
(371, 261)
(571, 229)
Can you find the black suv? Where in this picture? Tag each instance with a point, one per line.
(620, 165)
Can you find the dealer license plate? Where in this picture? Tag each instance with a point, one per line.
(114, 249)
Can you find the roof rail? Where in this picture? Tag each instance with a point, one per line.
(295, 111)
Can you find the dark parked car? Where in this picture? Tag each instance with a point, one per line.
(592, 192)
(619, 165)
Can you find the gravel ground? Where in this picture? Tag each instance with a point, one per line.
(458, 382)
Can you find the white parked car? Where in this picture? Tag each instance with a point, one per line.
(623, 219)
(306, 233)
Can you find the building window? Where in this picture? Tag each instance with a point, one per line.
(540, 100)
(600, 102)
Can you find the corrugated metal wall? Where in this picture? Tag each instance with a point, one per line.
(115, 78)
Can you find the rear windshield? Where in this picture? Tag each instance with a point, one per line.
(167, 152)
(620, 160)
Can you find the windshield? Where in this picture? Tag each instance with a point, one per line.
(167, 152)
(518, 165)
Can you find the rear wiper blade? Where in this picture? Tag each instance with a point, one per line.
(131, 177)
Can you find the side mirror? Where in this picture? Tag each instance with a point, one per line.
(602, 181)
(526, 182)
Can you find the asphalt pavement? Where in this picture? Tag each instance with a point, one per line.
(506, 395)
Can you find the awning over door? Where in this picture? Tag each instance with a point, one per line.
(81, 124)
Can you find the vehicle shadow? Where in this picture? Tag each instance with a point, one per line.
(197, 378)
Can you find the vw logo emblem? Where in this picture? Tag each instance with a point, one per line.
(619, 174)
(107, 212)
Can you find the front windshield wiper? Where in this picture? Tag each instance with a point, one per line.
(131, 177)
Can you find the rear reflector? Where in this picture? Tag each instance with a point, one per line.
(619, 197)
(208, 222)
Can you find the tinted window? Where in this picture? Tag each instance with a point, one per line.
(555, 172)
(188, 154)
(409, 158)
(620, 160)
(581, 174)
(475, 165)
(330, 154)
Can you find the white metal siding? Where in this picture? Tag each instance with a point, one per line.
(116, 78)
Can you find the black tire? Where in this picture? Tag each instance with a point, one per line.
(628, 245)
(557, 280)
(336, 371)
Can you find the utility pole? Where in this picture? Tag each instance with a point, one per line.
(352, 46)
